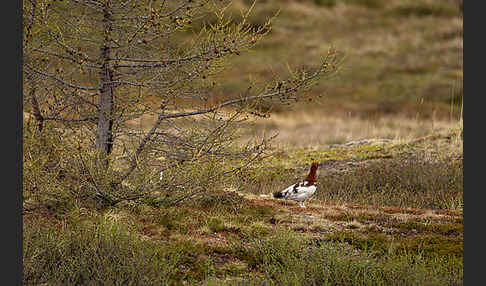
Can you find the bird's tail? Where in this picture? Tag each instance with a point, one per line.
(278, 194)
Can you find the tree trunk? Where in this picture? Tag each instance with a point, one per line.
(104, 140)
(36, 109)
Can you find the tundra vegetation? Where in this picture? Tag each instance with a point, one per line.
(231, 101)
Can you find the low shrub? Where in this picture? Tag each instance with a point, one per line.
(410, 182)
(284, 259)
(105, 253)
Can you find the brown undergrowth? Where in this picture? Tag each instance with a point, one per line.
(238, 239)
(386, 225)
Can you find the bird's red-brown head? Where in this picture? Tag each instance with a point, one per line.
(311, 178)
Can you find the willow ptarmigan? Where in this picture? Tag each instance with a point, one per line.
(300, 192)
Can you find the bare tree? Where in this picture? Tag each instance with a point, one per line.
(101, 66)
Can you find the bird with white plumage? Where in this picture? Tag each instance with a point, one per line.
(301, 191)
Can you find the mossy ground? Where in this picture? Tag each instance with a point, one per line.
(238, 237)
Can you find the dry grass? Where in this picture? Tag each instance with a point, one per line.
(392, 63)
(317, 129)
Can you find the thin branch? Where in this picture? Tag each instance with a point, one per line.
(84, 57)
(60, 80)
(93, 5)
(163, 116)
(90, 119)
(145, 140)
(195, 193)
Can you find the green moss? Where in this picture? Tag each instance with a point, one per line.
(255, 213)
(432, 245)
(373, 242)
(429, 245)
(256, 230)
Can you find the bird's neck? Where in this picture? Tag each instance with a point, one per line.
(311, 178)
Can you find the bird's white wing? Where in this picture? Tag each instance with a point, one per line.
(287, 191)
(298, 191)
